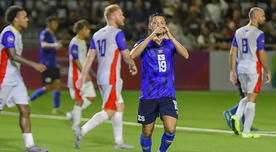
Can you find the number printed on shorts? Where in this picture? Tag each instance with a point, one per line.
(141, 118)
(102, 46)
(162, 62)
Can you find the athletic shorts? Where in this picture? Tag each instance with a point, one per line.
(149, 110)
(10, 95)
(87, 90)
(250, 83)
(51, 74)
(111, 95)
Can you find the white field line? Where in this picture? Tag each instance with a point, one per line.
(263, 133)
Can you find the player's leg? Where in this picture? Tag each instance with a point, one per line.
(75, 114)
(169, 114)
(88, 94)
(57, 87)
(145, 137)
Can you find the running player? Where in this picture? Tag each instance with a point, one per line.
(248, 57)
(109, 45)
(157, 85)
(77, 57)
(51, 77)
(12, 88)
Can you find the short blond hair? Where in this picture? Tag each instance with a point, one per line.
(253, 11)
(110, 9)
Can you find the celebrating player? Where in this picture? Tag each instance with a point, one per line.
(109, 45)
(248, 51)
(12, 88)
(157, 85)
(77, 56)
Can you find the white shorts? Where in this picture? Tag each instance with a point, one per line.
(10, 95)
(250, 83)
(111, 95)
(87, 90)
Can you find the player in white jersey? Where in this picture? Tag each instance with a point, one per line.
(109, 45)
(247, 61)
(12, 88)
(77, 57)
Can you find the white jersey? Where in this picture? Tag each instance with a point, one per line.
(249, 40)
(77, 50)
(10, 70)
(108, 42)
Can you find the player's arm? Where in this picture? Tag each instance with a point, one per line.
(44, 44)
(263, 57)
(120, 40)
(180, 49)
(140, 47)
(232, 60)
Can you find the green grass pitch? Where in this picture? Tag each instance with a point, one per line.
(200, 109)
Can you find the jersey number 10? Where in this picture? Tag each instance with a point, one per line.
(245, 46)
(102, 46)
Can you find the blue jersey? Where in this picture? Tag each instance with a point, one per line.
(157, 70)
(47, 55)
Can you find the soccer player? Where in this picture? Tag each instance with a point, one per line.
(248, 57)
(12, 88)
(51, 77)
(109, 45)
(157, 84)
(77, 57)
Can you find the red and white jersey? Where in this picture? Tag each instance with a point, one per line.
(10, 70)
(108, 42)
(249, 40)
(77, 50)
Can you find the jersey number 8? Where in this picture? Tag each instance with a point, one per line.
(245, 46)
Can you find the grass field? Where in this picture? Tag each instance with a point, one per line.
(196, 110)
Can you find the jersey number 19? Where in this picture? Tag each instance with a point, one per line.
(162, 63)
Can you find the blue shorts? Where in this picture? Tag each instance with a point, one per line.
(150, 109)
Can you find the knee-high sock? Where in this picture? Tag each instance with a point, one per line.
(56, 98)
(234, 109)
(85, 103)
(249, 116)
(28, 139)
(117, 123)
(38, 92)
(76, 114)
(145, 143)
(241, 107)
(166, 141)
(96, 120)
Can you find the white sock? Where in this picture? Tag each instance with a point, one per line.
(85, 103)
(96, 120)
(249, 115)
(28, 139)
(76, 114)
(240, 110)
(117, 123)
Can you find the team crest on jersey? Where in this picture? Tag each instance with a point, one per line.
(160, 51)
(10, 39)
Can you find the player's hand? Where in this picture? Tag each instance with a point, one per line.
(88, 78)
(80, 82)
(39, 67)
(233, 77)
(268, 78)
(57, 45)
(133, 69)
(156, 32)
(168, 33)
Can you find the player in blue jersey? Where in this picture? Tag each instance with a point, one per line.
(157, 88)
(51, 77)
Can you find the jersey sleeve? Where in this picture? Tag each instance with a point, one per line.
(260, 42)
(234, 42)
(74, 51)
(137, 43)
(121, 41)
(43, 37)
(92, 44)
(8, 39)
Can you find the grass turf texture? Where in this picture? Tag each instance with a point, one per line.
(196, 109)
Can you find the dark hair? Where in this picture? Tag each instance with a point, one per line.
(12, 12)
(156, 14)
(80, 25)
(51, 18)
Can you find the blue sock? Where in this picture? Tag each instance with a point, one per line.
(38, 92)
(166, 141)
(145, 143)
(56, 97)
(234, 109)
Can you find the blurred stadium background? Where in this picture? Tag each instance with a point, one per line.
(204, 27)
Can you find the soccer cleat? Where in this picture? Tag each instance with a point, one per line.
(236, 124)
(36, 149)
(69, 115)
(78, 137)
(124, 146)
(227, 115)
(254, 129)
(250, 135)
